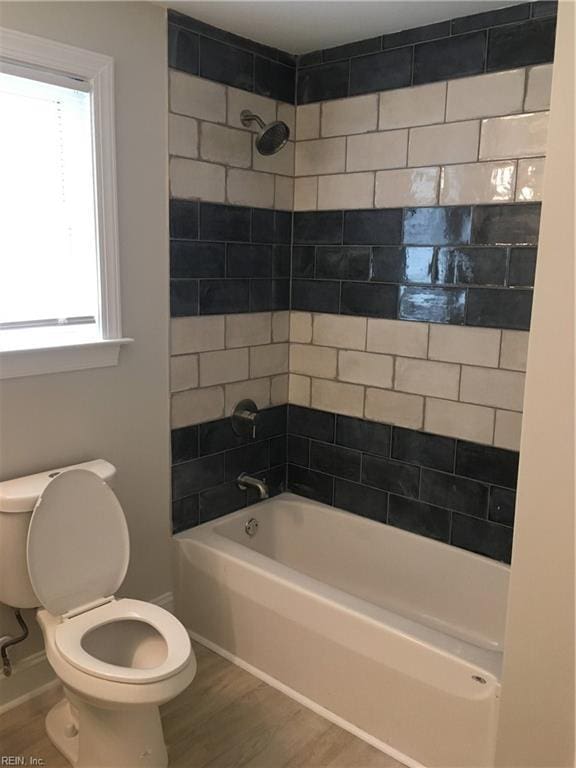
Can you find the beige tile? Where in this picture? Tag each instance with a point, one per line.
(394, 408)
(463, 344)
(375, 151)
(287, 113)
(407, 187)
(346, 190)
(498, 388)
(340, 331)
(347, 399)
(398, 337)
(182, 136)
(538, 88)
(228, 146)
(313, 361)
(196, 334)
(478, 183)
(440, 144)
(408, 107)
(306, 193)
(301, 327)
(514, 136)
(299, 390)
(269, 360)
(366, 368)
(282, 162)
(254, 389)
(239, 100)
(248, 330)
(468, 422)
(279, 390)
(195, 179)
(250, 188)
(499, 93)
(425, 377)
(514, 350)
(183, 372)
(197, 97)
(195, 406)
(281, 326)
(307, 121)
(508, 430)
(283, 193)
(224, 366)
(343, 117)
(530, 182)
(320, 156)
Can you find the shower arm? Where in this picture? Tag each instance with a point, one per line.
(247, 117)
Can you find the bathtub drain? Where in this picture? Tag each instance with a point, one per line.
(251, 526)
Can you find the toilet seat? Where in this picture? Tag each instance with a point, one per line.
(71, 632)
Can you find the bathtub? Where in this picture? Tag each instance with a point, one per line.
(393, 636)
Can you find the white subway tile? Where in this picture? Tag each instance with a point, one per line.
(443, 144)
(195, 179)
(342, 331)
(499, 93)
(347, 399)
(281, 326)
(508, 430)
(407, 187)
(282, 162)
(196, 334)
(514, 350)
(306, 193)
(408, 107)
(538, 88)
(182, 136)
(224, 366)
(301, 327)
(248, 330)
(261, 105)
(269, 360)
(279, 389)
(228, 146)
(183, 372)
(425, 377)
(299, 390)
(253, 389)
(346, 190)
(375, 151)
(394, 408)
(250, 188)
(477, 183)
(468, 422)
(514, 136)
(287, 113)
(498, 388)
(197, 97)
(343, 117)
(283, 193)
(320, 156)
(398, 337)
(366, 368)
(464, 344)
(530, 182)
(307, 121)
(195, 406)
(313, 361)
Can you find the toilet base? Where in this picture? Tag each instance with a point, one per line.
(93, 737)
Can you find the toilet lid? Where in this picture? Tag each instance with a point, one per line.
(78, 546)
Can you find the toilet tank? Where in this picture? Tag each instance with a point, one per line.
(18, 498)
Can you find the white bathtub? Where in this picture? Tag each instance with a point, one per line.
(397, 637)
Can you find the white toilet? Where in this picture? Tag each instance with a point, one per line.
(64, 546)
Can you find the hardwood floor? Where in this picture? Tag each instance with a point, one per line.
(226, 719)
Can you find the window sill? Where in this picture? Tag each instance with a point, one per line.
(15, 363)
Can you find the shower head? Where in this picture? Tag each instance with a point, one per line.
(271, 137)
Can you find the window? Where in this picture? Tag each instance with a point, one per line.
(59, 293)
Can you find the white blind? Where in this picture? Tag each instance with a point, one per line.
(48, 245)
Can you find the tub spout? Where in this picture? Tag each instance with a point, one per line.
(245, 481)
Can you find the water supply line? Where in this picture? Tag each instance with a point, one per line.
(8, 641)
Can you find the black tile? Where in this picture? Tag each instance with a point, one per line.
(517, 224)
(522, 267)
(422, 448)
(316, 296)
(248, 260)
(192, 476)
(281, 261)
(488, 464)
(390, 476)
(183, 47)
(298, 450)
(517, 45)
(328, 81)
(359, 48)
(197, 259)
(303, 260)
(381, 71)
(459, 493)
(272, 422)
(482, 537)
(274, 80)
(491, 18)
(226, 64)
(413, 264)
(449, 57)
(437, 226)
(544, 8)
(282, 227)
(344, 262)
(263, 225)
(269, 295)
(367, 436)
(184, 444)
(364, 501)
(432, 305)
(278, 450)
(312, 485)
(334, 460)
(416, 35)
(250, 458)
(218, 297)
(499, 308)
(184, 514)
(502, 505)
(184, 219)
(373, 227)
(418, 517)
(224, 222)
(470, 266)
(322, 227)
(308, 422)
(369, 300)
(221, 500)
(218, 435)
(183, 298)
(310, 59)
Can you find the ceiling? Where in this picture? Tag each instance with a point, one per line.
(299, 27)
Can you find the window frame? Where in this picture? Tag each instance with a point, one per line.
(97, 69)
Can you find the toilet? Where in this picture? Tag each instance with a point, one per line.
(64, 546)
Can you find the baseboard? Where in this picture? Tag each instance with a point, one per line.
(308, 703)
